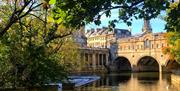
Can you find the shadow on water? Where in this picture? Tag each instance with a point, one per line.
(147, 77)
(116, 78)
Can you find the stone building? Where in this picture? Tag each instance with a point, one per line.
(142, 52)
(103, 37)
(92, 59)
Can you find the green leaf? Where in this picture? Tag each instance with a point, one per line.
(52, 1)
(129, 23)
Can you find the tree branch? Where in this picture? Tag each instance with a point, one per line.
(16, 14)
(37, 17)
(55, 50)
(57, 36)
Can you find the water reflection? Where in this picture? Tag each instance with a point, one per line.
(132, 82)
(115, 79)
(147, 78)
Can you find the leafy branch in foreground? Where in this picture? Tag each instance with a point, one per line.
(33, 51)
(173, 29)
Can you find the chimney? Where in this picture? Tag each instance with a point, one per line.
(147, 27)
(104, 28)
(87, 31)
(92, 30)
(98, 29)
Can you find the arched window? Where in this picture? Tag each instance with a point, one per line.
(147, 43)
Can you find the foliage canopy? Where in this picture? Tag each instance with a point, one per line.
(173, 28)
(34, 50)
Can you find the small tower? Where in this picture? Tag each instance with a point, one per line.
(147, 27)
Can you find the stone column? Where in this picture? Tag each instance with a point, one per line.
(160, 74)
(97, 59)
(87, 61)
(94, 60)
(107, 59)
(160, 68)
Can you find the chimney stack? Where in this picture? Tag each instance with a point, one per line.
(147, 27)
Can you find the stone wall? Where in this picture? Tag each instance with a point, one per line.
(175, 80)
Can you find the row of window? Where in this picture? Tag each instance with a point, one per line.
(97, 38)
(98, 44)
(100, 38)
(146, 45)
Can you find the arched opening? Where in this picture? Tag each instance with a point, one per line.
(172, 65)
(148, 64)
(123, 64)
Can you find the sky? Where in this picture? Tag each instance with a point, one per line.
(157, 24)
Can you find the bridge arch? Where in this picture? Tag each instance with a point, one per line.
(171, 65)
(148, 64)
(123, 64)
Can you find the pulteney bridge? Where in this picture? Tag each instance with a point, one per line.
(143, 53)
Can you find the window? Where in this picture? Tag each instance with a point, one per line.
(157, 45)
(137, 46)
(147, 43)
(141, 46)
(162, 45)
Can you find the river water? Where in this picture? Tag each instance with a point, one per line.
(146, 81)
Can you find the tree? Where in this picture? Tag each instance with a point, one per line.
(34, 50)
(173, 50)
(173, 28)
(29, 60)
(79, 12)
(173, 17)
(18, 9)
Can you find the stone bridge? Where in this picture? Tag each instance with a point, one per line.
(142, 53)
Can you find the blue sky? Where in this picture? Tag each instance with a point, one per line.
(157, 24)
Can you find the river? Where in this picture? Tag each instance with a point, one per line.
(145, 81)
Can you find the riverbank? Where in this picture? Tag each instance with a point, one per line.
(175, 80)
